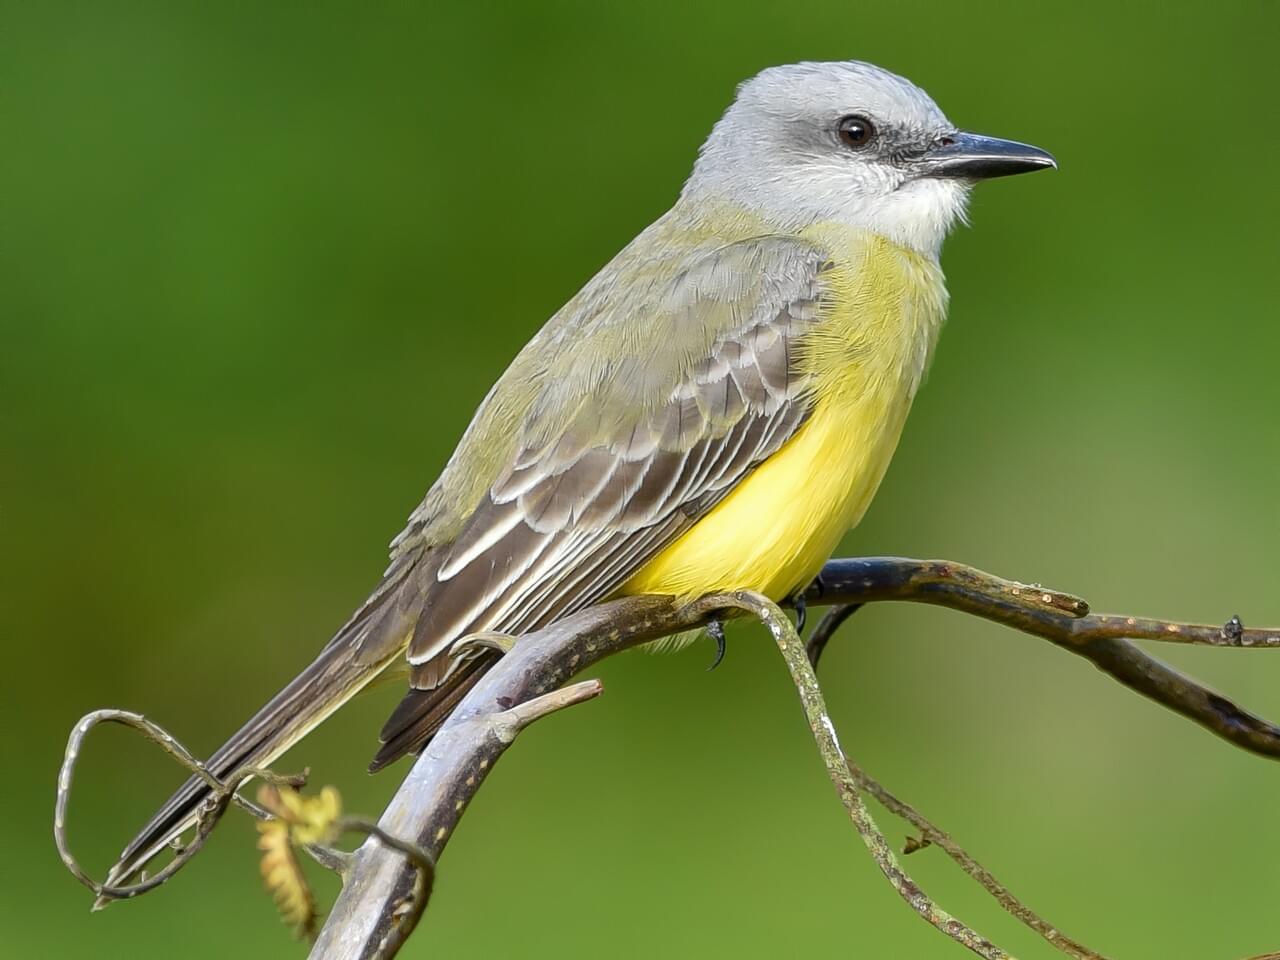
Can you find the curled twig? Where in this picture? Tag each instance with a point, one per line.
(313, 840)
(224, 793)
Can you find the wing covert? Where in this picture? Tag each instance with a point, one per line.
(603, 478)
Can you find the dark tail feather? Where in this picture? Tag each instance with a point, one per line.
(422, 712)
(336, 675)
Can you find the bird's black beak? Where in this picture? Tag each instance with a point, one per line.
(970, 156)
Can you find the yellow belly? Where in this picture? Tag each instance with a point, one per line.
(774, 532)
(776, 529)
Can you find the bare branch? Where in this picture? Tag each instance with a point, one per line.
(387, 881)
(224, 793)
(1031, 608)
(848, 777)
(510, 722)
(1064, 620)
(826, 629)
(930, 834)
(406, 913)
(442, 781)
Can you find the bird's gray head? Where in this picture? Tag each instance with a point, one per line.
(851, 143)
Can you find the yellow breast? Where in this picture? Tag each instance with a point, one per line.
(882, 311)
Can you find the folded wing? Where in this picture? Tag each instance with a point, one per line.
(626, 445)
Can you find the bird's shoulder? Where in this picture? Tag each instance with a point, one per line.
(651, 319)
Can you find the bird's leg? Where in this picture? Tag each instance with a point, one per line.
(801, 605)
(715, 630)
(715, 626)
(802, 611)
(474, 643)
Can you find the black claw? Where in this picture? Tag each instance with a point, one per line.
(715, 630)
(802, 611)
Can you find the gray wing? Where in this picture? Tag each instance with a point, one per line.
(577, 511)
(574, 514)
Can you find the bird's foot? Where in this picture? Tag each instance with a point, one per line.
(715, 630)
(801, 606)
(473, 644)
(802, 611)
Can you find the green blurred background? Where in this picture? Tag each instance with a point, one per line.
(258, 264)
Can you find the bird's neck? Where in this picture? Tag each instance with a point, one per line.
(888, 303)
(918, 215)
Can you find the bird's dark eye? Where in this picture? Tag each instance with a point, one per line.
(855, 131)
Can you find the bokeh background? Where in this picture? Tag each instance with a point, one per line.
(258, 264)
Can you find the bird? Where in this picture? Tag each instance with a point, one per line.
(712, 411)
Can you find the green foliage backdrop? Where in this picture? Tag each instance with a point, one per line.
(258, 263)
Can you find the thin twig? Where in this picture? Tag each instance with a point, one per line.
(1029, 607)
(331, 858)
(933, 835)
(847, 776)
(515, 719)
(224, 793)
(1064, 620)
(825, 630)
(408, 912)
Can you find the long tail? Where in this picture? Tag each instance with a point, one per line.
(371, 640)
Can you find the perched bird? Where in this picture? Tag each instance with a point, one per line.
(711, 412)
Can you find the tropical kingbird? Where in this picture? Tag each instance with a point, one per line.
(711, 412)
